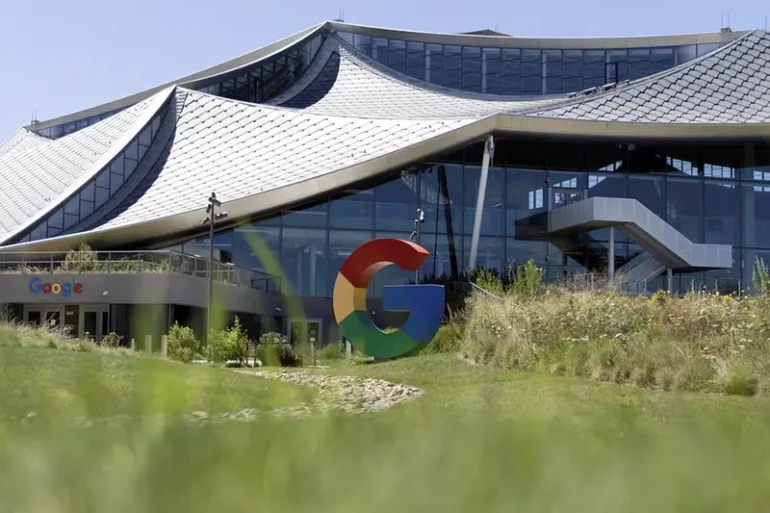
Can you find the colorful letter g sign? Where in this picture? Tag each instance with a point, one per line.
(425, 303)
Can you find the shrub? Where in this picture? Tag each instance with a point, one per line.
(333, 351)
(230, 344)
(181, 343)
(112, 339)
(274, 349)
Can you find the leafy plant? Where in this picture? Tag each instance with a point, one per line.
(230, 344)
(333, 351)
(182, 343)
(274, 349)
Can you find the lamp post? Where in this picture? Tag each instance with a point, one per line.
(210, 219)
(416, 234)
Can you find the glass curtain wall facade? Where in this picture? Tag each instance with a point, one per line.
(521, 71)
(712, 194)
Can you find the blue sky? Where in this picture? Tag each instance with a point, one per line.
(59, 57)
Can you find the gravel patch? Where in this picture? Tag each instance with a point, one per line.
(336, 394)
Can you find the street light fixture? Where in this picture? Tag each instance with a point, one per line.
(416, 234)
(211, 218)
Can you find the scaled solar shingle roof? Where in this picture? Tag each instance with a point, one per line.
(34, 176)
(241, 149)
(730, 85)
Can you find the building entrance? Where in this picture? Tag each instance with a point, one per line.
(305, 330)
(49, 316)
(94, 322)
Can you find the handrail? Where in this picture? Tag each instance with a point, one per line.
(134, 262)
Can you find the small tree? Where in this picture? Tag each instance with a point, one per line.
(229, 344)
(182, 344)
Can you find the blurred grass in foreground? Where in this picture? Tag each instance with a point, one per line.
(479, 440)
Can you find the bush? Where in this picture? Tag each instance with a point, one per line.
(333, 351)
(112, 339)
(274, 349)
(230, 344)
(181, 343)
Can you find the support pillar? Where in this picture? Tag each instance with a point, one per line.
(489, 149)
(669, 279)
(611, 263)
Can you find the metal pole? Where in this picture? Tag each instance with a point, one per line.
(489, 148)
(417, 271)
(211, 269)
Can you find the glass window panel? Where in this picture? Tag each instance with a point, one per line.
(525, 197)
(304, 260)
(472, 68)
(685, 207)
(72, 206)
(396, 204)
(446, 255)
(490, 70)
(70, 220)
(341, 244)
(86, 208)
(346, 36)
(722, 212)
(552, 63)
(685, 53)
(103, 179)
(638, 62)
(315, 216)
(363, 44)
(254, 245)
(415, 60)
(397, 56)
(129, 166)
(434, 63)
(53, 230)
(510, 71)
(102, 195)
(380, 50)
(155, 126)
(649, 191)
(518, 252)
(572, 66)
(531, 85)
(453, 66)
(355, 211)
(132, 151)
(441, 195)
(146, 136)
(490, 253)
(617, 66)
(492, 216)
(56, 219)
(117, 166)
(756, 215)
(116, 181)
(41, 232)
(531, 65)
(572, 85)
(661, 59)
(705, 48)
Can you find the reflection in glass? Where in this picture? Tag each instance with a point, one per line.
(684, 208)
(304, 262)
(341, 244)
(396, 206)
(721, 213)
(353, 211)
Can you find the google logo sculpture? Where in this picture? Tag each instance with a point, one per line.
(425, 303)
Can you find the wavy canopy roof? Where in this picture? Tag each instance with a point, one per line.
(347, 119)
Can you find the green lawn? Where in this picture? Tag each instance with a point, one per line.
(96, 383)
(478, 440)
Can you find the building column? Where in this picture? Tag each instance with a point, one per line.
(489, 149)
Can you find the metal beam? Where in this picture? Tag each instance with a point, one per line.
(489, 150)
